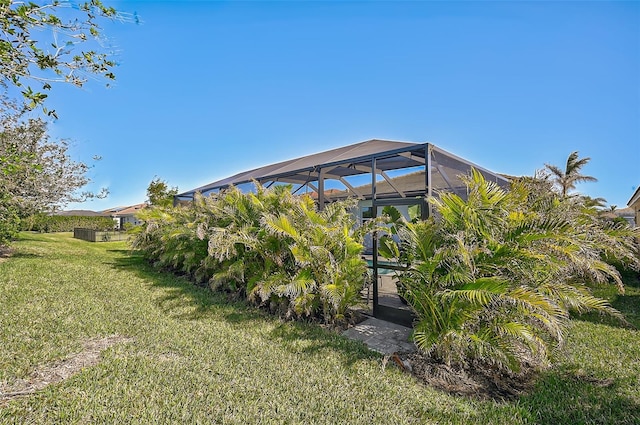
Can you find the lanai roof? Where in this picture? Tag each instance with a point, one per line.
(299, 170)
(347, 161)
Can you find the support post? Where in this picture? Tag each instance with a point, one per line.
(374, 238)
(321, 190)
(429, 180)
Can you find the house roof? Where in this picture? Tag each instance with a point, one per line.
(113, 210)
(83, 213)
(123, 211)
(341, 163)
(634, 198)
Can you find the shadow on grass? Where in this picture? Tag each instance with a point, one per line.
(120, 251)
(310, 338)
(628, 303)
(631, 279)
(571, 397)
(181, 298)
(184, 300)
(18, 254)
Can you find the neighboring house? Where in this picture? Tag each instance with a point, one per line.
(634, 204)
(111, 213)
(628, 214)
(123, 215)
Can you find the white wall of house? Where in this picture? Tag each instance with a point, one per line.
(130, 219)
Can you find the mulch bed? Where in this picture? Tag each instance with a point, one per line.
(5, 252)
(478, 381)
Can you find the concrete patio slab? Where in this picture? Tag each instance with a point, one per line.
(383, 337)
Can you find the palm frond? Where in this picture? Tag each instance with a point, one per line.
(480, 292)
(281, 225)
(303, 282)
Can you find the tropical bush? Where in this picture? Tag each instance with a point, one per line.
(61, 223)
(493, 278)
(272, 247)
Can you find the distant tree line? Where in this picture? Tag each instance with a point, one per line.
(64, 223)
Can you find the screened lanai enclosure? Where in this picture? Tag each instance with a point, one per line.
(378, 173)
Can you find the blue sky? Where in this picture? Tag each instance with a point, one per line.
(208, 89)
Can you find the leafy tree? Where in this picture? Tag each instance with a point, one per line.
(567, 179)
(494, 278)
(159, 194)
(51, 42)
(37, 174)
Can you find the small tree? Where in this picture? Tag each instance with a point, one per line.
(159, 194)
(37, 174)
(567, 179)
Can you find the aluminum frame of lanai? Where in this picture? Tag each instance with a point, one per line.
(378, 173)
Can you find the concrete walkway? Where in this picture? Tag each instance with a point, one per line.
(384, 337)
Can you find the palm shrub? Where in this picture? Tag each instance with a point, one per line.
(326, 251)
(494, 277)
(270, 246)
(237, 241)
(281, 250)
(169, 238)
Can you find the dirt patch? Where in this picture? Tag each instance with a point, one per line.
(581, 376)
(63, 369)
(5, 252)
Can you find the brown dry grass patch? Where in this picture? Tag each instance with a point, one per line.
(63, 369)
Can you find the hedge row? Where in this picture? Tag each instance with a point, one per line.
(273, 248)
(60, 223)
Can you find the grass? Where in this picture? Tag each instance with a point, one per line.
(195, 357)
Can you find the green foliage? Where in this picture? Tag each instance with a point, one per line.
(495, 276)
(567, 178)
(37, 174)
(9, 219)
(159, 193)
(169, 238)
(49, 43)
(64, 223)
(270, 246)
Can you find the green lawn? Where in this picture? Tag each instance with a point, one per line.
(193, 357)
